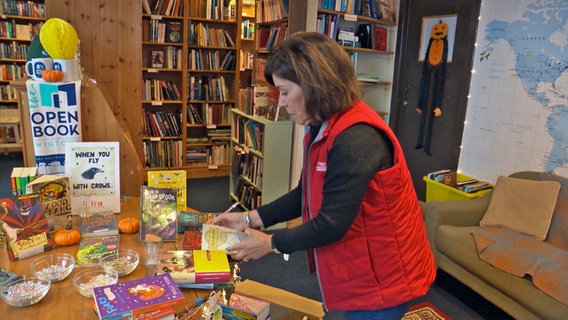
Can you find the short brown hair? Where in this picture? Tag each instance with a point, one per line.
(321, 67)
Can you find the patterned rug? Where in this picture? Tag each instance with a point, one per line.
(425, 311)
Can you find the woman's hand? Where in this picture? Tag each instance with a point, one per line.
(233, 220)
(254, 247)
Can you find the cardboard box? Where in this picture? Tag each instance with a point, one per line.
(284, 305)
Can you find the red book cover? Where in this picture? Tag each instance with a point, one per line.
(191, 240)
(379, 38)
(25, 226)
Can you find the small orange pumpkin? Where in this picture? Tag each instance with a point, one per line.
(52, 75)
(67, 237)
(129, 225)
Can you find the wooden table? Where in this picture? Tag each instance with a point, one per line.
(63, 301)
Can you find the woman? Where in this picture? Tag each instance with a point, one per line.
(362, 224)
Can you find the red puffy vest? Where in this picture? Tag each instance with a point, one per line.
(385, 258)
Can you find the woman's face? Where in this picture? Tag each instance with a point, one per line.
(292, 98)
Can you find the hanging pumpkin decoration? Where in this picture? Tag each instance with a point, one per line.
(67, 237)
(129, 225)
(436, 52)
(52, 75)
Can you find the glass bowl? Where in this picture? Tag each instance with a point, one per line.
(124, 261)
(24, 291)
(56, 266)
(84, 281)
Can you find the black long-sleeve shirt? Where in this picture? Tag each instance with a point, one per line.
(357, 154)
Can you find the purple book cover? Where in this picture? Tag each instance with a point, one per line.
(125, 299)
(158, 213)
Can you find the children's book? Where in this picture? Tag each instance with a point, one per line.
(54, 194)
(191, 240)
(195, 266)
(98, 224)
(220, 238)
(158, 213)
(194, 220)
(93, 247)
(241, 306)
(24, 226)
(175, 179)
(93, 169)
(126, 299)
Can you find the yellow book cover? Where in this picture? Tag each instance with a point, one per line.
(173, 179)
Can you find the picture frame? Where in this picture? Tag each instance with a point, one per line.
(427, 24)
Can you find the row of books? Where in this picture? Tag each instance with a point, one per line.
(22, 8)
(271, 10)
(247, 165)
(9, 72)
(20, 177)
(163, 7)
(247, 29)
(163, 153)
(207, 88)
(213, 9)
(13, 50)
(266, 39)
(13, 30)
(162, 124)
(170, 58)
(156, 90)
(215, 154)
(203, 35)
(450, 178)
(200, 59)
(369, 8)
(247, 194)
(7, 92)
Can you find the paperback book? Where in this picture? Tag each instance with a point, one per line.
(220, 238)
(93, 247)
(98, 224)
(175, 179)
(24, 226)
(125, 300)
(54, 195)
(195, 266)
(194, 220)
(158, 213)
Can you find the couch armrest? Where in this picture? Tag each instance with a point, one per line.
(455, 213)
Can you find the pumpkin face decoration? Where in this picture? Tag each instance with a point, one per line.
(438, 33)
(67, 237)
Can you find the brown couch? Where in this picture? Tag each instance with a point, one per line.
(449, 226)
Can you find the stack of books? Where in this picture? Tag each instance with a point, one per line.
(99, 236)
(20, 178)
(196, 269)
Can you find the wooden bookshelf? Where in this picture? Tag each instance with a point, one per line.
(19, 25)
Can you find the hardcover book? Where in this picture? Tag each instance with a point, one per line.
(98, 224)
(157, 59)
(191, 240)
(126, 299)
(220, 238)
(195, 266)
(24, 226)
(245, 307)
(54, 194)
(158, 212)
(93, 247)
(93, 169)
(175, 179)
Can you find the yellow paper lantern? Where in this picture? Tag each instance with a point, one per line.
(59, 38)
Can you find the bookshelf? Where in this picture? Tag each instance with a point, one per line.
(190, 74)
(19, 24)
(372, 54)
(260, 167)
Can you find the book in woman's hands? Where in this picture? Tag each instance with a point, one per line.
(220, 238)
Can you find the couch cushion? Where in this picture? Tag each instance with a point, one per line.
(457, 244)
(522, 205)
(558, 234)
